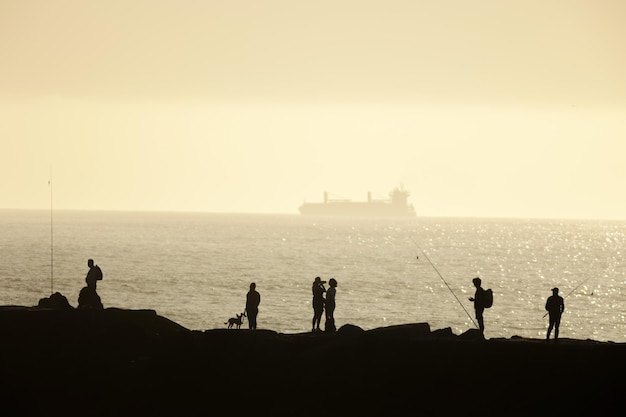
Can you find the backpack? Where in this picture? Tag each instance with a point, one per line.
(98, 272)
(488, 298)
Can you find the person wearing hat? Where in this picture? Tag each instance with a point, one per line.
(555, 307)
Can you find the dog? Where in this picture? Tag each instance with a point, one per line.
(236, 321)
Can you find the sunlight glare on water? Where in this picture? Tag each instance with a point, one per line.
(195, 269)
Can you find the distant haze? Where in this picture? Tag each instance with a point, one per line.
(479, 108)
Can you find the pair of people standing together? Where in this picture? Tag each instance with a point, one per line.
(320, 304)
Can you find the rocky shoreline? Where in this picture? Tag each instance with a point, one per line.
(135, 362)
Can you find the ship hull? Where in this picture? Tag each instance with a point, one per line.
(354, 209)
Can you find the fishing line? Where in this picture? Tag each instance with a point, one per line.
(578, 286)
(444, 281)
(570, 293)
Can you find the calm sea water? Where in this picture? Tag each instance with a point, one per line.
(196, 268)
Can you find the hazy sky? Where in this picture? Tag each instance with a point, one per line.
(479, 108)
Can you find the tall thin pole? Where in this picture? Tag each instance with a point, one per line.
(51, 239)
(444, 281)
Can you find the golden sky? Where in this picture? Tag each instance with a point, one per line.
(479, 108)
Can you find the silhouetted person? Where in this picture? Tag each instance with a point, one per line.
(555, 307)
(88, 298)
(253, 299)
(330, 306)
(479, 303)
(93, 275)
(318, 302)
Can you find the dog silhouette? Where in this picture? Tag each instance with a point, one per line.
(236, 321)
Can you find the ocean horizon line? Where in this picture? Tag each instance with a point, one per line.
(296, 214)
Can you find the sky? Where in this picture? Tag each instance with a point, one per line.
(484, 108)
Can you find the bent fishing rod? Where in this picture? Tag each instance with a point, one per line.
(444, 281)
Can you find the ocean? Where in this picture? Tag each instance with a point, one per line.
(196, 268)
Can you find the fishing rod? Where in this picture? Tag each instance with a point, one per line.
(577, 287)
(444, 281)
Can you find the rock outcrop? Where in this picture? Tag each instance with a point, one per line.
(135, 362)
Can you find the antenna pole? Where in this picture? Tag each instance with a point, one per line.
(51, 239)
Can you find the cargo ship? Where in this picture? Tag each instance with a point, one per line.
(395, 206)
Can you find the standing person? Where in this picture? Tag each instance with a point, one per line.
(318, 302)
(93, 275)
(253, 299)
(555, 307)
(479, 303)
(330, 306)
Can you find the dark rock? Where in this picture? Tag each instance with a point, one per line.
(350, 329)
(472, 334)
(56, 301)
(89, 299)
(445, 333)
(135, 362)
(410, 330)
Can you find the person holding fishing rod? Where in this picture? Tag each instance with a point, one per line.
(486, 298)
(555, 307)
(480, 303)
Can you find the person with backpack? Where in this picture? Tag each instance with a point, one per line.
(88, 298)
(93, 275)
(482, 299)
(555, 307)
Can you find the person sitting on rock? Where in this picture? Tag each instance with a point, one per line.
(88, 298)
(93, 275)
